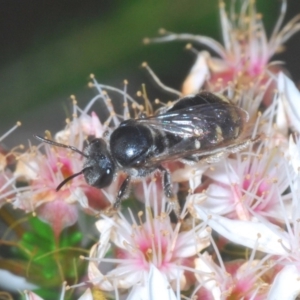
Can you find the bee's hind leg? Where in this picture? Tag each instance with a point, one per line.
(167, 186)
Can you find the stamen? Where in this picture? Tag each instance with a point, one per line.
(62, 295)
(192, 49)
(140, 214)
(158, 82)
(126, 113)
(18, 124)
(284, 247)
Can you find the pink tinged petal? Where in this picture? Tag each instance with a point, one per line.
(286, 284)
(32, 296)
(58, 214)
(14, 283)
(90, 125)
(291, 100)
(268, 239)
(156, 287)
(97, 126)
(198, 75)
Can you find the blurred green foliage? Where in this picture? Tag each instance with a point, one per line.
(45, 262)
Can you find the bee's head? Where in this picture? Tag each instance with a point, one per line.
(98, 168)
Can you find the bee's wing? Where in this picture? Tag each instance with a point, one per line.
(196, 120)
(185, 150)
(192, 124)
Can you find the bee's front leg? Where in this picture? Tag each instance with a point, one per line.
(122, 192)
(167, 186)
(112, 209)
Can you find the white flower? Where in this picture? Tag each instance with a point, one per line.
(289, 105)
(145, 252)
(249, 185)
(156, 287)
(153, 242)
(294, 153)
(12, 282)
(264, 237)
(286, 284)
(246, 51)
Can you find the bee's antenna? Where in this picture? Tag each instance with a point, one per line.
(68, 179)
(60, 145)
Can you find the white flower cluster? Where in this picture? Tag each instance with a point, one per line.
(238, 232)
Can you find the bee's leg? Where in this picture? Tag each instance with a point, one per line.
(242, 144)
(167, 186)
(122, 192)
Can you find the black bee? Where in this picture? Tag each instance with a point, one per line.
(197, 127)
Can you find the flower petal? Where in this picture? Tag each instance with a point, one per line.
(87, 295)
(58, 214)
(156, 287)
(266, 238)
(12, 282)
(32, 296)
(198, 74)
(204, 264)
(291, 100)
(286, 284)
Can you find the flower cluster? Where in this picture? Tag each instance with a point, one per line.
(236, 233)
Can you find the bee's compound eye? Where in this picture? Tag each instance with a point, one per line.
(99, 177)
(98, 167)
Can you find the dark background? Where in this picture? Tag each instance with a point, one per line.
(49, 48)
